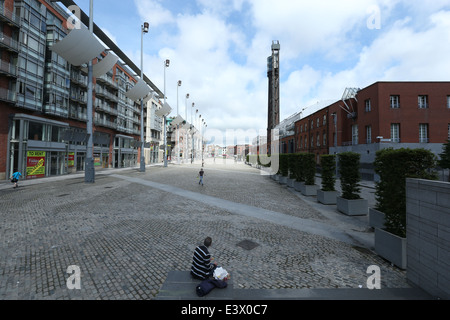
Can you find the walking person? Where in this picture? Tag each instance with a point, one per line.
(202, 266)
(15, 178)
(201, 174)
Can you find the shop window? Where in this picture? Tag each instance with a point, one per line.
(35, 131)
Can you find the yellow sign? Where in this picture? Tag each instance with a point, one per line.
(35, 164)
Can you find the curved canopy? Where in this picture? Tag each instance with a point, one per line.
(78, 47)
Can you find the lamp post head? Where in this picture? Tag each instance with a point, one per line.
(179, 83)
(167, 63)
(145, 27)
(193, 104)
(187, 96)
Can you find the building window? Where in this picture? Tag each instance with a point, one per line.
(448, 102)
(312, 141)
(324, 138)
(318, 138)
(312, 124)
(395, 102)
(423, 133)
(423, 102)
(318, 122)
(355, 134)
(395, 132)
(448, 130)
(368, 134)
(324, 122)
(368, 105)
(306, 142)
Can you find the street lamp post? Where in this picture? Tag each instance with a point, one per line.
(144, 29)
(192, 132)
(89, 173)
(166, 65)
(185, 110)
(178, 126)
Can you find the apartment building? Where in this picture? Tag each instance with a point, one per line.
(43, 99)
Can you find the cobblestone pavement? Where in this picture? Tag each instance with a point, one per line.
(129, 229)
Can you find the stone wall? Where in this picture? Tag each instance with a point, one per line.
(428, 235)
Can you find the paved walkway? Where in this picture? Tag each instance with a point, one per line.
(129, 230)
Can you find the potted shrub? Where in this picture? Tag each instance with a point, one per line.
(299, 171)
(393, 167)
(328, 194)
(350, 202)
(284, 169)
(291, 169)
(309, 166)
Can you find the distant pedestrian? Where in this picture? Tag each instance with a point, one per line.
(201, 174)
(15, 178)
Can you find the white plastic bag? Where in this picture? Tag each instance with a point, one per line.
(220, 273)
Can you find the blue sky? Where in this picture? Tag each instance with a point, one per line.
(219, 49)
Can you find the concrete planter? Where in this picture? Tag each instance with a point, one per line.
(290, 182)
(327, 197)
(309, 190)
(298, 186)
(358, 207)
(283, 180)
(391, 247)
(376, 218)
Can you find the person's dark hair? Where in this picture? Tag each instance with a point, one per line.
(207, 241)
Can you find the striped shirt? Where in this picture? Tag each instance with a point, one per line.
(201, 262)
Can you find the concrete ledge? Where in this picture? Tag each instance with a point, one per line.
(179, 285)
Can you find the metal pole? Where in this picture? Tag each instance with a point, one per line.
(165, 124)
(142, 161)
(89, 173)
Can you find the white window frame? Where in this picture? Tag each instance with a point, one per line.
(423, 102)
(368, 134)
(395, 132)
(355, 134)
(423, 133)
(368, 105)
(395, 102)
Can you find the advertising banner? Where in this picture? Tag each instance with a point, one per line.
(71, 161)
(35, 164)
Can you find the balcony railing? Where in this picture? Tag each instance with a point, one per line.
(9, 16)
(8, 68)
(8, 42)
(8, 95)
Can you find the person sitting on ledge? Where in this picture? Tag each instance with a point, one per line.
(202, 266)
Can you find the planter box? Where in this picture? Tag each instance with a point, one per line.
(376, 218)
(290, 182)
(391, 247)
(282, 180)
(298, 186)
(309, 190)
(358, 207)
(327, 197)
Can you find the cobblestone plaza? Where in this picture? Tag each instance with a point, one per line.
(129, 229)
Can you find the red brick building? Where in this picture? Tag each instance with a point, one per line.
(382, 115)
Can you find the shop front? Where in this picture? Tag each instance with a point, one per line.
(36, 146)
(125, 151)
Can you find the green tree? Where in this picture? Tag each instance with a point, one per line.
(444, 162)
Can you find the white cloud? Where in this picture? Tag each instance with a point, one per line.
(326, 46)
(153, 12)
